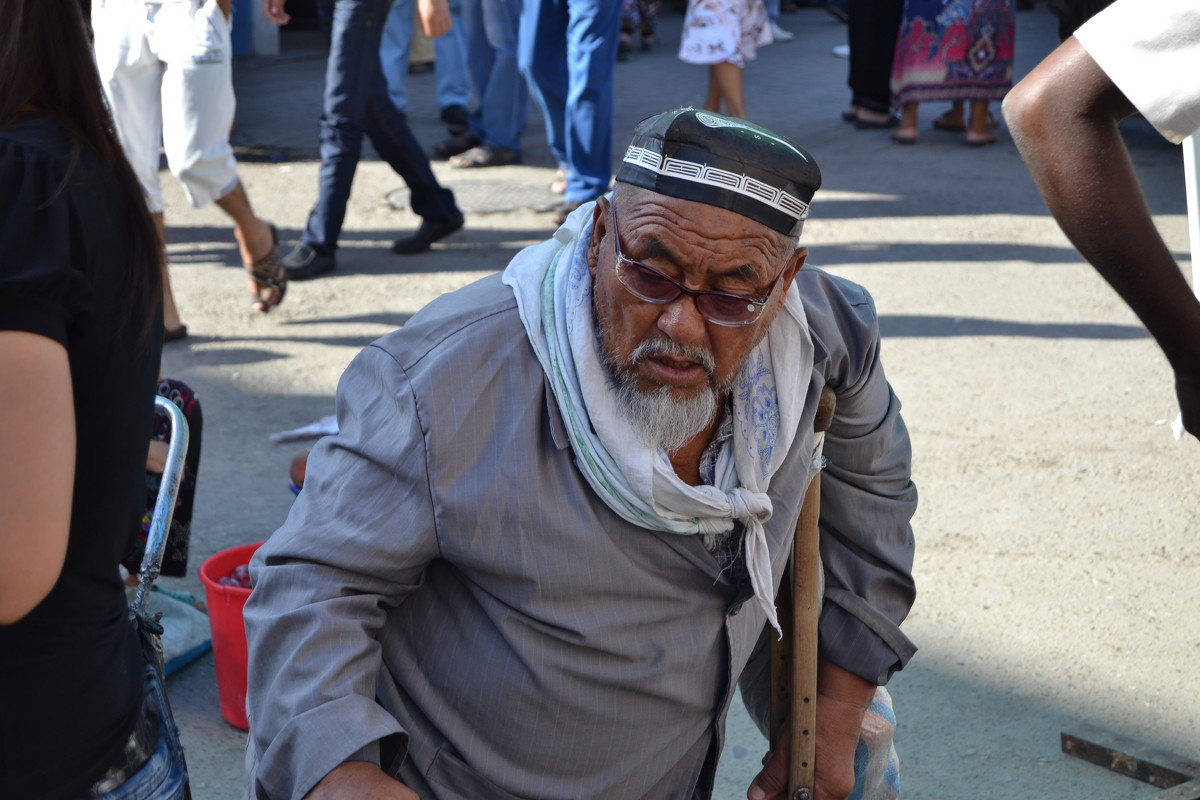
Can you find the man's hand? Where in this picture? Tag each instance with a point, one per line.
(359, 780)
(435, 17)
(273, 9)
(842, 700)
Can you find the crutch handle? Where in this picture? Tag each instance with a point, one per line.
(164, 503)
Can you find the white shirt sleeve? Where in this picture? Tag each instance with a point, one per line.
(1151, 50)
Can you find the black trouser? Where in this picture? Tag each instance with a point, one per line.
(873, 27)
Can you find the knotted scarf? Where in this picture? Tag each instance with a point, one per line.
(553, 289)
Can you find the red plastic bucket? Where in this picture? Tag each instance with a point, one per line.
(225, 605)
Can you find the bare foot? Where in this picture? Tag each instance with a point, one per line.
(255, 244)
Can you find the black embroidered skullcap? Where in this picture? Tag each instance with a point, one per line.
(725, 162)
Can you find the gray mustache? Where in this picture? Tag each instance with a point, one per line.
(665, 347)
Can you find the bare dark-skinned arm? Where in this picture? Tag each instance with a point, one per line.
(1063, 117)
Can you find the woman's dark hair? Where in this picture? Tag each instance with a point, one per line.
(46, 64)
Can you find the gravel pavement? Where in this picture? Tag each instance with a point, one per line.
(1058, 567)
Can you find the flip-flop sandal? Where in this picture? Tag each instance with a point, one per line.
(903, 138)
(947, 122)
(269, 276)
(984, 142)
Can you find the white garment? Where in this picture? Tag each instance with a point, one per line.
(166, 72)
(1151, 50)
(715, 31)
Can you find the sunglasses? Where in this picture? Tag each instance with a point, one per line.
(648, 284)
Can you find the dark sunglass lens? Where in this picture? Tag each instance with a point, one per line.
(648, 283)
(727, 308)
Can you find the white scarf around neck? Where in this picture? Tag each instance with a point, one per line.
(553, 289)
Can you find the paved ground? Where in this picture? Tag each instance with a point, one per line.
(1058, 564)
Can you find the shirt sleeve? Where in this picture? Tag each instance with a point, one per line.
(40, 291)
(867, 494)
(1151, 51)
(356, 543)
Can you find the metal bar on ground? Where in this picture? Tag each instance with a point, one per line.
(1128, 757)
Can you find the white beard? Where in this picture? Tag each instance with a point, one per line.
(657, 417)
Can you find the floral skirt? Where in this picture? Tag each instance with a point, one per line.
(723, 30)
(953, 50)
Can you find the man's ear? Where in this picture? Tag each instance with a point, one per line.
(600, 218)
(794, 265)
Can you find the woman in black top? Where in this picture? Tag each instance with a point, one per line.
(80, 336)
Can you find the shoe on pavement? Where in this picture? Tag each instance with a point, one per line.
(779, 34)
(430, 231)
(457, 119)
(455, 144)
(485, 156)
(306, 262)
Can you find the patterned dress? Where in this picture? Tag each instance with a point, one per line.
(953, 50)
(723, 30)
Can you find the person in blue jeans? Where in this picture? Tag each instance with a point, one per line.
(357, 102)
(491, 28)
(567, 49)
(450, 64)
(163, 775)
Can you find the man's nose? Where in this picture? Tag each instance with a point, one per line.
(681, 320)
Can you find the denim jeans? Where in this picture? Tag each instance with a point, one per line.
(357, 102)
(449, 53)
(568, 51)
(164, 776)
(491, 28)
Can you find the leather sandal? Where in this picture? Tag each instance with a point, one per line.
(955, 124)
(269, 276)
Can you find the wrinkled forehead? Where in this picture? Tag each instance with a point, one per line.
(724, 162)
(708, 227)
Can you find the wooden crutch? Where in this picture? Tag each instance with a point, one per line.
(794, 657)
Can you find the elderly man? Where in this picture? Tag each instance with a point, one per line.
(543, 548)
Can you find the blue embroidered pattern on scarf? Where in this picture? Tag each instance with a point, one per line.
(758, 397)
